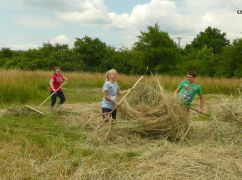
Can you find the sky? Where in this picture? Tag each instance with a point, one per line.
(30, 23)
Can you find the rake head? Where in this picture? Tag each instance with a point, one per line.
(34, 109)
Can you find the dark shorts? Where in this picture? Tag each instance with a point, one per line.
(105, 111)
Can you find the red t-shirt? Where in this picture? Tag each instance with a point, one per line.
(57, 81)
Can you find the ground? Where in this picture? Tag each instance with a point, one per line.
(64, 144)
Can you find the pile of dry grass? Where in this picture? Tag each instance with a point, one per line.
(19, 111)
(186, 163)
(226, 124)
(152, 111)
(224, 127)
(230, 110)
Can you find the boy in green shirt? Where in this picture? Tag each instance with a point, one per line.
(187, 90)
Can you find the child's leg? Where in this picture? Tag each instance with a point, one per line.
(61, 96)
(114, 114)
(53, 99)
(105, 112)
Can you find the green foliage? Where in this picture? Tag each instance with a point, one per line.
(159, 51)
(210, 54)
(91, 51)
(212, 38)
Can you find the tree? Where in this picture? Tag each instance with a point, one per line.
(159, 51)
(212, 38)
(6, 53)
(91, 51)
(230, 63)
(206, 60)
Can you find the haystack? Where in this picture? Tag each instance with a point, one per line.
(225, 126)
(152, 111)
(230, 110)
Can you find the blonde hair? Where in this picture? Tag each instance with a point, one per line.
(110, 72)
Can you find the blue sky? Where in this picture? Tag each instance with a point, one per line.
(29, 23)
(123, 6)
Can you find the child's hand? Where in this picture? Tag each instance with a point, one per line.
(114, 98)
(115, 104)
(201, 110)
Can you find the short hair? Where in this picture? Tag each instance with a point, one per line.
(57, 67)
(192, 73)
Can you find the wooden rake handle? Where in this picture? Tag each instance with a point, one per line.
(121, 100)
(199, 112)
(51, 95)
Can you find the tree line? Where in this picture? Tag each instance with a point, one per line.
(210, 54)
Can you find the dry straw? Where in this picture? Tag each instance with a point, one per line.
(230, 110)
(152, 111)
(225, 126)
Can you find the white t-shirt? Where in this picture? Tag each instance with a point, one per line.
(112, 89)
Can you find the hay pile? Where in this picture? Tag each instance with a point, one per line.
(152, 111)
(230, 110)
(224, 127)
(19, 111)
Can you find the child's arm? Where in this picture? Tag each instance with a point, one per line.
(176, 91)
(65, 78)
(201, 97)
(51, 85)
(107, 97)
(120, 93)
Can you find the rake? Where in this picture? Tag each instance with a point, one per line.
(109, 114)
(36, 110)
(199, 112)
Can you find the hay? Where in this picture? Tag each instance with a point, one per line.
(229, 110)
(19, 111)
(152, 111)
(224, 127)
(215, 133)
(188, 163)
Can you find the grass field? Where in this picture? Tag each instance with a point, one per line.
(63, 145)
(32, 86)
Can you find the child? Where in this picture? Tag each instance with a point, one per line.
(110, 93)
(187, 90)
(55, 83)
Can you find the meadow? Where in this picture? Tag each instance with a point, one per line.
(32, 86)
(64, 144)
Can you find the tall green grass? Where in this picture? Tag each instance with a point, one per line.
(21, 87)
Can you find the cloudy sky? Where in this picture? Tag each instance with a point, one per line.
(29, 23)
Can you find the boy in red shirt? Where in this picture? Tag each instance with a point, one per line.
(55, 83)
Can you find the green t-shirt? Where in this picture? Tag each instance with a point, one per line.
(188, 91)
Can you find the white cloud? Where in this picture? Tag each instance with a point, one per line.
(24, 43)
(20, 43)
(89, 12)
(179, 18)
(228, 23)
(185, 20)
(24, 46)
(61, 39)
(163, 12)
(65, 5)
(36, 22)
(51, 4)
